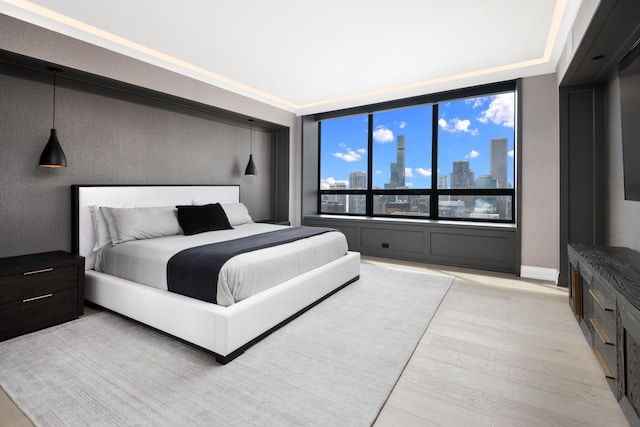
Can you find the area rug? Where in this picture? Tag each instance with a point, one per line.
(333, 366)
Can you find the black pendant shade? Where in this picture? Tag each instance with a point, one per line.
(251, 167)
(53, 156)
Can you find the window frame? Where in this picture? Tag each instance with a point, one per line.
(434, 192)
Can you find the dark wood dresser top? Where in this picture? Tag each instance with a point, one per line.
(617, 265)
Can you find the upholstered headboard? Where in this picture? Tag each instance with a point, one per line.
(84, 196)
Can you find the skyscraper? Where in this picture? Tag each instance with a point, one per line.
(357, 202)
(462, 176)
(357, 180)
(400, 162)
(335, 203)
(442, 181)
(442, 184)
(397, 179)
(499, 161)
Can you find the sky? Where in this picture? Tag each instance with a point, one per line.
(465, 129)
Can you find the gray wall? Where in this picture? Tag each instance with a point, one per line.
(540, 172)
(108, 139)
(622, 217)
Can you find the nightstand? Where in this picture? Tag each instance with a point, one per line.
(39, 290)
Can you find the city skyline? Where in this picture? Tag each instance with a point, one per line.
(466, 129)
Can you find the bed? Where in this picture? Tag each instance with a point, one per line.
(226, 331)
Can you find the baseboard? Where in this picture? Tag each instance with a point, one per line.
(539, 273)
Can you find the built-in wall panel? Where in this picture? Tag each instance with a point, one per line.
(111, 136)
(280, 192)
(460, 244)
(621, 216)
(582, 174)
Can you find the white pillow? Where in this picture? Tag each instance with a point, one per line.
(137, 223)
(101, 233)
(106, 213)
(237, 213)
(100, 228)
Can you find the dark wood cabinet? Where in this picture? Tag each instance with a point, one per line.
(604, 295)
(39, 290)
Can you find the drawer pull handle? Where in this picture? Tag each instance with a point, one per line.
(601, 303)
(44, 270)
(604, 337)
(37, 298)
(603, 364)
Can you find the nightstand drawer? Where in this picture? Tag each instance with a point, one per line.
(39, 290)
(18, 317)
(36, 283)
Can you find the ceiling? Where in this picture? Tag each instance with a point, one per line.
(314, 57)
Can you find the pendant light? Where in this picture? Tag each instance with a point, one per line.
(52, 156)
(251, 167)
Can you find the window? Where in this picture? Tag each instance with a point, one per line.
(402, 161)
(382, 163)
(343, 165)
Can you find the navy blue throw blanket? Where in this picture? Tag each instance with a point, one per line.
(194, 272)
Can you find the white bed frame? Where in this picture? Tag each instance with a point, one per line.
(225, 331)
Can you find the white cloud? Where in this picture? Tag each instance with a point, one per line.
(423, 172)
(327, 183)
(362, 151)
(408, 172)
(511, 153)
(461, 125)
(500, 110)
(402, 124)
(477, 102)
(456, 125)
(378, 172)
(472, 154)
(382, 135)
(349, 156)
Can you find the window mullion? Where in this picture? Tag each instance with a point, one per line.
(433, 200)
(369, 196)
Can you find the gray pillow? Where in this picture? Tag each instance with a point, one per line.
(237, 213)
(138, 223)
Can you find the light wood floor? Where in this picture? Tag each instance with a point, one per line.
(501, 351)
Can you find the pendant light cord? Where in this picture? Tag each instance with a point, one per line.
(251, 136)
(54, 99)
(55, 71)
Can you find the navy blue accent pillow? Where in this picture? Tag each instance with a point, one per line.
(198, 219)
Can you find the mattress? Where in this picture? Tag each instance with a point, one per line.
(145, 261)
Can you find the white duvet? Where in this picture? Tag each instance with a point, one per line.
(145, 261)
